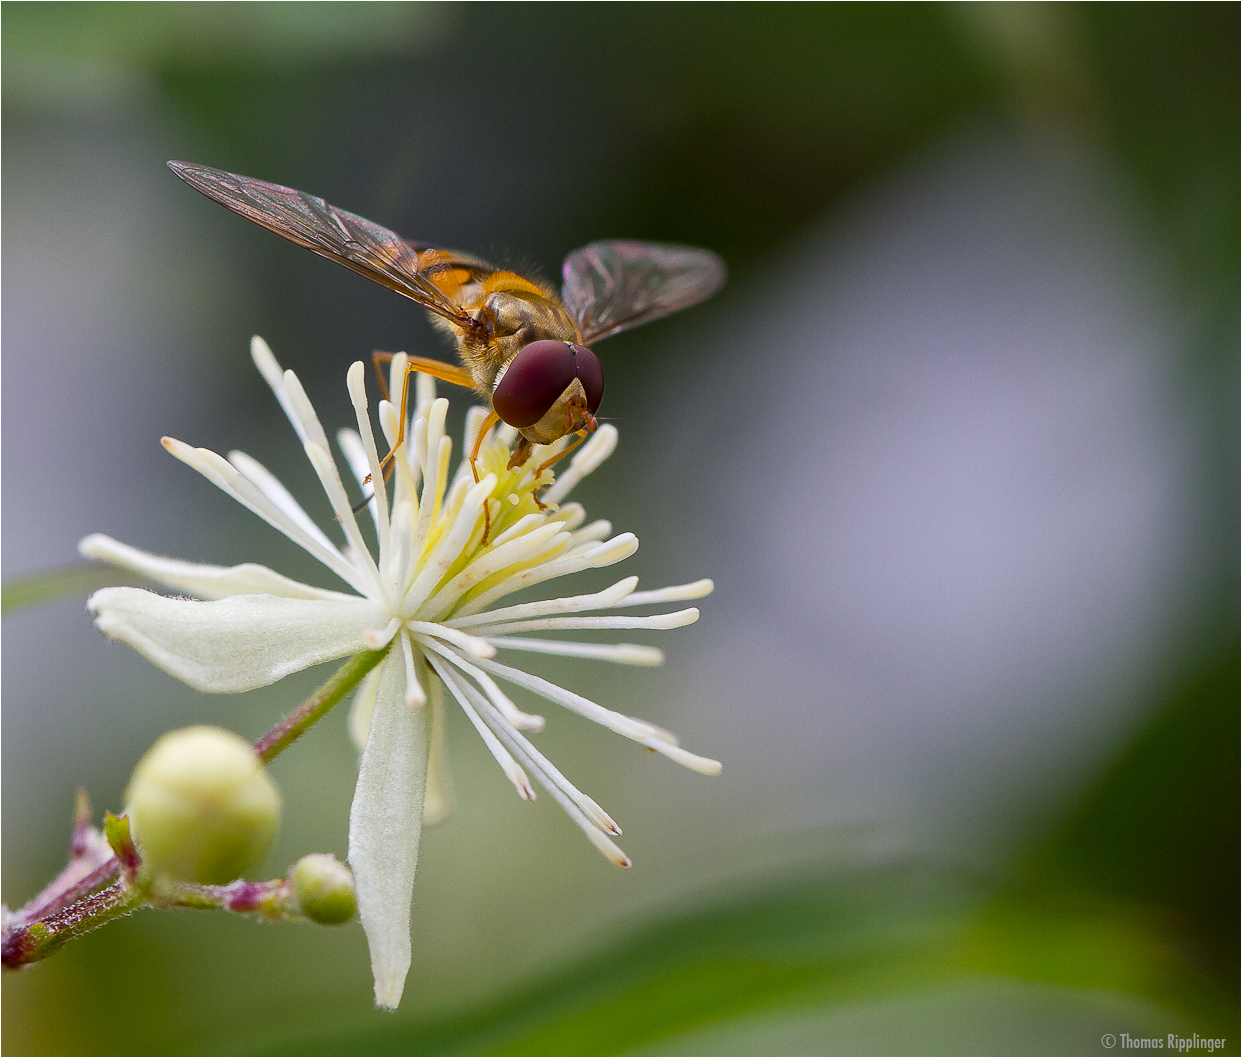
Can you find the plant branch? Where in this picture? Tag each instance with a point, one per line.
(311, 711)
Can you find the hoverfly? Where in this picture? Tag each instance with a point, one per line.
(524, 349)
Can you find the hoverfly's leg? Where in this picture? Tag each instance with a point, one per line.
(377, 359)
(491, 420)
(437, 369)
(534, 494)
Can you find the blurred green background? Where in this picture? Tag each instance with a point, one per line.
(958, 444)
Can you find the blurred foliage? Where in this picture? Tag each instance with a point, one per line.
(820, 945)
(54, 584)
(732, 126)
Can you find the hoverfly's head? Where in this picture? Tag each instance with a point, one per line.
(551, 388)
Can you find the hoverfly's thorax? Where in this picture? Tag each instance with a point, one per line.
(515, 319)
(530, 315)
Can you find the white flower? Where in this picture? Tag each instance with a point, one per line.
(425, 598)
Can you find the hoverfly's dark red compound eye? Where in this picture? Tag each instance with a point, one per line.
(538, 375)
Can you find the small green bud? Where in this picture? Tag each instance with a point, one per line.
(323, 888)
(201, 807)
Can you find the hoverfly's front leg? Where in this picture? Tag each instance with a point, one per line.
(436, 368)
(491, 420)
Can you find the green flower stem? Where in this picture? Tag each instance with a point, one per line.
(271, 899)
(311, 711)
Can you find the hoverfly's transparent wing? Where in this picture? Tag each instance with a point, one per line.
(432, 277)
(617, 284)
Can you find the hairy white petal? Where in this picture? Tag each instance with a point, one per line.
(194, 578)
(385, 822)
(238, 643)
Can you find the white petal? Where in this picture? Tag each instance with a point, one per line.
(385, 821)
(206, 582)
(238, 643)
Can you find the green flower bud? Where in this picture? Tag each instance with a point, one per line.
(201, 807)
(323, 888)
